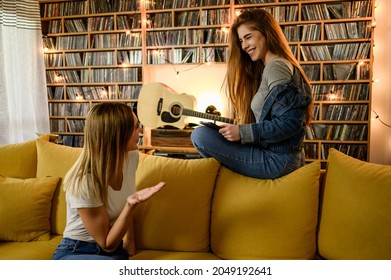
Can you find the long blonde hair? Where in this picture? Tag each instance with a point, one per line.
(243, 75)
(107, 131)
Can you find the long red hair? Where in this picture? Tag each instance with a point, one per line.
(243, 75)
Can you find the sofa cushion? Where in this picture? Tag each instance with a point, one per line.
(42, 250)
(19, 160)
(178, 217)
(265, 218)
(56, 160)
(173, 255)
(25, 208)
(356, 210)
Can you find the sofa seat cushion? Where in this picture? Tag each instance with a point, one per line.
(178, 217)
(173, 255)
(38, 250)
(56, 160)
(264, 218)
(355, 217)
(25, 208)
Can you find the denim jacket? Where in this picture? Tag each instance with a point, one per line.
(281, 126)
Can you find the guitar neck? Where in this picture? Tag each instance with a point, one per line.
(192, 113)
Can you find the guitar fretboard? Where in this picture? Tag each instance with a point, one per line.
(192, 113)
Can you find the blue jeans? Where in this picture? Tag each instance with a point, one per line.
(70, 249)
(248, 160)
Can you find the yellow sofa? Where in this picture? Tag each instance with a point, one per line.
(207, 211)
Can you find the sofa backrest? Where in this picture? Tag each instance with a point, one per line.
(265, 218)
(55, 160)
(355, 209)
(19, 160)
(178, 217)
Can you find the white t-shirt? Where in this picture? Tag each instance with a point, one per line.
(116, 201)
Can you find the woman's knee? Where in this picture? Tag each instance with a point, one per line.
(198, 135)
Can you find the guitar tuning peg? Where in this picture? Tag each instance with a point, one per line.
(212, 110)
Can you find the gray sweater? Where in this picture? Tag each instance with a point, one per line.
(275, 72)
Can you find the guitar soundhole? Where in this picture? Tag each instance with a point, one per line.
(176, 110)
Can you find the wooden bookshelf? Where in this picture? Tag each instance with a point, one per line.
(100, 52)
(93, 54)
(187, 31)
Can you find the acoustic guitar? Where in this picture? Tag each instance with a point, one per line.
(159, 105)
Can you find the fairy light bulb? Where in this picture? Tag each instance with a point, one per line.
(58, 78)
(104, 92)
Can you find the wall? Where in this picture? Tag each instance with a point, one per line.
(205, 83)
(380, 151)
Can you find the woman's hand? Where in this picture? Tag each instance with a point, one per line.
(144, 194)
(230, 132)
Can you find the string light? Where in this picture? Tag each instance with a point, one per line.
(58, 78)
(378, 118)
(46, 48)
(207, 60)
(105, 91)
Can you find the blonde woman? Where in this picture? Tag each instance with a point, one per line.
(270, 98)
(100, 188)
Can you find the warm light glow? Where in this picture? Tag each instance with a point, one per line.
(148, 22)
(46, 49)
(58, 78)
(79, 97)
(225, 29)
(104, 92)
(210, 97)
